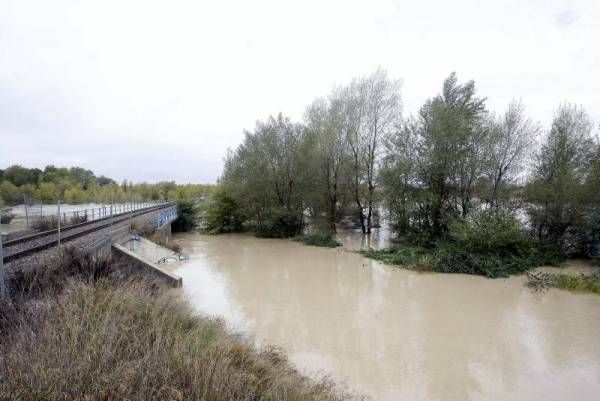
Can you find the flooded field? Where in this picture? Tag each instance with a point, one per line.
(395, 334)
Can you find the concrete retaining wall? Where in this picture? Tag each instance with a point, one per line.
(162, 235)
(120, 253)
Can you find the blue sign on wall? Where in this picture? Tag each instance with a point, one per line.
(166, 216)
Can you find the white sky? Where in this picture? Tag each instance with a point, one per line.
(154, 90)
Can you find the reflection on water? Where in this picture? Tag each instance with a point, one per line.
(353, 240)
(395, 334)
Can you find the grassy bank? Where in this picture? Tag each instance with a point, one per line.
(322, 240)
(95, 339)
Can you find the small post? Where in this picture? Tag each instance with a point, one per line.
(58, 209)
(2, 288)
(111, 217)
(130, 212)
(26, 214)
(93, 210)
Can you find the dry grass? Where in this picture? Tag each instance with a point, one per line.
(98, 340)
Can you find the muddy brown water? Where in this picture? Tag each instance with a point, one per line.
(395, 334)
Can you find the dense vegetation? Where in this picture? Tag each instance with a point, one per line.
(473, 191)
(322, 240)
(77, 185)
(71, 331)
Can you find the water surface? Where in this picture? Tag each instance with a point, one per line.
(396, 334)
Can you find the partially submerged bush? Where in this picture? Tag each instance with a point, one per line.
(221, 213)
(541, 281)
(489, 231)
(323, 240)
(489, 244)
(6, 216)
(282, 224)
(186, 215)
(406, 256)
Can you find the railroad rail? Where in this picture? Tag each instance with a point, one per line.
(27, 245)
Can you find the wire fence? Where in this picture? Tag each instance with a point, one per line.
(40, 216)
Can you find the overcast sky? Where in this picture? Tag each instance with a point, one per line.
(155, 90)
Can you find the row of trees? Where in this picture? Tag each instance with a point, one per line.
(325, 167)
(77, 185)
(354, 154)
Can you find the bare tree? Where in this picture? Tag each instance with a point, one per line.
(372, 110)
(511, 139)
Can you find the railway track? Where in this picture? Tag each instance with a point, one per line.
(27, 245)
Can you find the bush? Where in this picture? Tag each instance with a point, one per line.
(221, 214)
(406, 256)
(323, 240)
(45, 223)
(78, 219)
(282, 224)
(488, 243)
(581, 283)
(10, 193)
(6, 216)
(489, 232)
(186, 212)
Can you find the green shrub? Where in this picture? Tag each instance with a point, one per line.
(488, 243)
(282, 224)
(186, 215)
(221, 214)
(45, 223)
(406, 256)
(578, 283)
(6, 216)
(489, 232)
(323, 240)
(581, 283)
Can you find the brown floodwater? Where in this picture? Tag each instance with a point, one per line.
(395, 334)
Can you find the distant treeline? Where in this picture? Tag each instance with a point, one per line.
(78, 185)
(453, 172)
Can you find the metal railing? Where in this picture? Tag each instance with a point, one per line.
(166, 216)
(46, 216)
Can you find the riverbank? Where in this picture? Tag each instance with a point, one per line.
(89, 336)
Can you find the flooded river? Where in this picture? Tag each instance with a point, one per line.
(395, 334)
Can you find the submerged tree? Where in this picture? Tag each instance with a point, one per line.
(511, 139)
(268, 177)
(372, 111)
(324, 124)
(449, 156)
(556, 193)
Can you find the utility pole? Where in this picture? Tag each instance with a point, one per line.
(26, 214)
(130, 210)
(58, 215)
(2, 288)
(112, 201)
